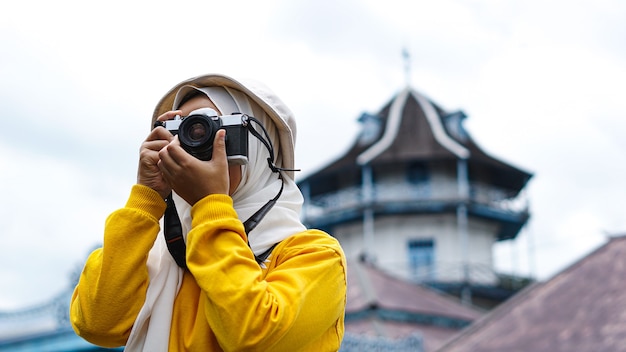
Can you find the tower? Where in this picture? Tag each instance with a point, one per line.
(416, 195)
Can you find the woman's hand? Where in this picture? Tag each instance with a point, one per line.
(194, 179)
(148, 172)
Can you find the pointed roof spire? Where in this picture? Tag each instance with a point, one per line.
(406, 56)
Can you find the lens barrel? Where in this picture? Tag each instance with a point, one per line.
(196, 134)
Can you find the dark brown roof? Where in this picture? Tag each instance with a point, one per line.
(583, 308)
(382, 305)
(416, 140)
(420, 146)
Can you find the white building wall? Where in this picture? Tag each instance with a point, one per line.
(393, 233)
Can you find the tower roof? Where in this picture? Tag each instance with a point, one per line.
(410, 127)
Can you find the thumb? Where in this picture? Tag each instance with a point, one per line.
(219, 146)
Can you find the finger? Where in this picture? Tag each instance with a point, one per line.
(166, 157)
(148, 158)
(169, 115)
(165, 171)
(155, 145)
(177, 153)
(160, 133)
(166, 164)
(219, 147)
(175, 141)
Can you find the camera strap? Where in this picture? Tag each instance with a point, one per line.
(173, 232)
(175, 241)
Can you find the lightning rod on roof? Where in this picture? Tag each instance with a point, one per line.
(406, 56)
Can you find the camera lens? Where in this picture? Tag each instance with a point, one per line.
(196, 134)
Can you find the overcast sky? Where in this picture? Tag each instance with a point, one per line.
(542, 83)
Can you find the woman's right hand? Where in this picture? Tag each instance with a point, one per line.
(148, 173)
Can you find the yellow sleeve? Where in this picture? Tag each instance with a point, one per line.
(112, 287)
(301, 298)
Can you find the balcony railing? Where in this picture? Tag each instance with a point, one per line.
(451, 272)
(397, 193)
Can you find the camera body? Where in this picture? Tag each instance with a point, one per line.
(196, 134)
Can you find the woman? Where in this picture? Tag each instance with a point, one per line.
(247, 279)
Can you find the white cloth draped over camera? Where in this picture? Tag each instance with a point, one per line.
(258, 185)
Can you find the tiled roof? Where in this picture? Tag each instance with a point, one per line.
(583, 308)
(382, 305)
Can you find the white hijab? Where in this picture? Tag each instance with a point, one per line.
(151, 330)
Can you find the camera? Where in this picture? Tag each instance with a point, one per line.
(196, 134)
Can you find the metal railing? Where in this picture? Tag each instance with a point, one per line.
(405, 192)
(474, 273)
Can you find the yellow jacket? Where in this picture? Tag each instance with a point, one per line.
(226, 301)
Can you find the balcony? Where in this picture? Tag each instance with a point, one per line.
(398, 193)
(483, 200)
